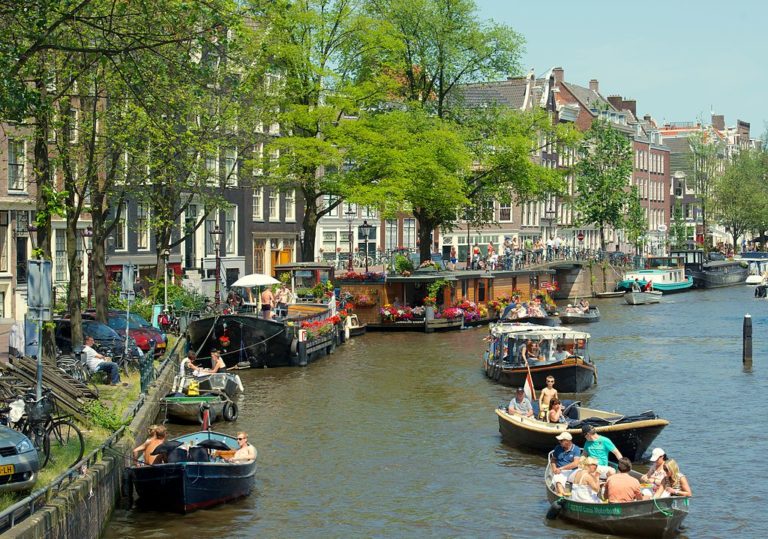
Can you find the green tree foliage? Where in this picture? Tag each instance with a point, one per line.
(706, 159)
(635, 222)
(603, 178)
(678, 233)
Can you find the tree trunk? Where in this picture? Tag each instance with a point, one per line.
(74, 294)
(425, 239)
(98, 260)
(309, 225)
(602, 237)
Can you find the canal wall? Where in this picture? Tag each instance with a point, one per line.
(585, 279)
(82, 510)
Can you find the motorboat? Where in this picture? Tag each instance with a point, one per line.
(642, 298)
(355, 328)
(562, 354)
(180, 407)
(665, 273)
(576, 315)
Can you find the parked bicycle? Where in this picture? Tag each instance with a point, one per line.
(55, 437)
(76, 368)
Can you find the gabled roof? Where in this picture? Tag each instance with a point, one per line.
(510, 93)
(589, 98)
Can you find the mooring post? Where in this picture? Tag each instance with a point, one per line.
(747, 340)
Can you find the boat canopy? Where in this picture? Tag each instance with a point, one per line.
(534, 332)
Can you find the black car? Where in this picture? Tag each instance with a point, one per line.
(105, 338)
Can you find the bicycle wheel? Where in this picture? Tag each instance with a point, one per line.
(65, 443)
(37, 435)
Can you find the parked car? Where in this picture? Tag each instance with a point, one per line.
(18, 461)
(104, 336)
(139, 329)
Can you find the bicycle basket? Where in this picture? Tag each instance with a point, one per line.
(40, 410)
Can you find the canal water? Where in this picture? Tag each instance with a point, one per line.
(395, 435)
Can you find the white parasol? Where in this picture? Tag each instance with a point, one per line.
(255, 279)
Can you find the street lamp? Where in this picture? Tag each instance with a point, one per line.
(550, 216)
(216, 235)
(87, 235)
(350, 215)
(166, 254)
(365, 230)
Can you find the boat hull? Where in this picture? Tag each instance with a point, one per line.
(188, 409)
(642, 298)
(550, 321)
(581, 318)
(573, 375)
(735, 275)
(632, 439)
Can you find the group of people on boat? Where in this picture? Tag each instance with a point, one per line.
(637, 286)
(190, 367)
(550, 407)
(581, 307)
(157, 435)
(592, 480)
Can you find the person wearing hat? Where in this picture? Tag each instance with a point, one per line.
(655, 474)
(520, 405)
(565, 459)
(599, 446)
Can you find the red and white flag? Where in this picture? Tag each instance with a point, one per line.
(530, 392)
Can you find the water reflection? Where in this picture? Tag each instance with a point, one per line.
(395, 435)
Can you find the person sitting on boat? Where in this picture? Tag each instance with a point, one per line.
(585, 483)
(188, 366)
(599, 446)
(245, 451)
(534, 351)
(675, 483)
(655, 474)
(622, 487)
(520, 405)
(560, 353)
(546, 396)
(157, 435)
(565, 460)
(217, 364)
(555, 414)
(636, 285)
(648, 286)
(584, 306)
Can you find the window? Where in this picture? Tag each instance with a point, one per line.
(210, 169)
(274, 205)
(369, 212)
(329, 242)
(258, 204)
(16, 159)
(391, 234)
(258, 255)
(121, 231)
(258, 156)
(230, 167)
(142, 227)
(4, 240)
(230, 231)
(505, 212)
(210, 224)
(329, 200)
(290, 205)
(61, 255)
(409, 233)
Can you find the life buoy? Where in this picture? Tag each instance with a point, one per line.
(230, 411)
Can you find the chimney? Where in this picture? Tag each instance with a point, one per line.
(631, 105)
(594, 86)
(647, 118)
(616, 101)
(558, 73)
(718, 121)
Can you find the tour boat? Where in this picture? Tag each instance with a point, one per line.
(631, 434)
(657, 517)
(194, 476)
(665, 273)
(503, 360)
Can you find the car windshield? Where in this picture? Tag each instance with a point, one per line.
(118, 323)
(98, 330)
(139, 320)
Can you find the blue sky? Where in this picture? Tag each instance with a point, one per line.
(677, 58)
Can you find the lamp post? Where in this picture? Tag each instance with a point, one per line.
(365, 230)
(166, 254)
(301, 243)
(349, 215)
(216, 235)
(550, 215)
(87, 235)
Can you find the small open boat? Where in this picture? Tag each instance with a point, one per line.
(591, 315)
(632, 435)
(604, 295)
(658, 517)
(503, 360)
(223, 382)
(190, 409)
(194, 477)
(355, 329)
(642, 298)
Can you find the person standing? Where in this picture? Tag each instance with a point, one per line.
(100, 363)
(622, 487)
(565, 460)
(267, 302)
(453, 258)
(599, 446)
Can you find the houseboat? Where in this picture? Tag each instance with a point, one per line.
(712, 270)
(665, 273)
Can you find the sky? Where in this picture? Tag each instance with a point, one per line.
(678, 58)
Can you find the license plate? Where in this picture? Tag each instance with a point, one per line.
(7, 469)
(160, 345)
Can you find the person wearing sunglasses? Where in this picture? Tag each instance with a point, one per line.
(245, 451)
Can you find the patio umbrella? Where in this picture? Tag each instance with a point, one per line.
(255, 279)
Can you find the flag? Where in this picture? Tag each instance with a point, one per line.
(528, 388)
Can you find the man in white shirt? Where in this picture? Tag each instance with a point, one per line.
(99, 363)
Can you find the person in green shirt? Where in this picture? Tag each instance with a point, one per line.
(599, 446)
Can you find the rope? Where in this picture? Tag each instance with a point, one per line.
(661, 510)
(209, 334)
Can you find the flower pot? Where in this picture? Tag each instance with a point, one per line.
(429, 312)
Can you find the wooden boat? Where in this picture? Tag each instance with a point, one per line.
(503, 359)
(632, 435)
(222, 382)
(190, 409)
(667, 273)
(591, 315)
(355, 329)
(659, 517)
(642, 298)
(194, 478)
(605, 295)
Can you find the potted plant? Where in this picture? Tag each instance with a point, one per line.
(429, 307)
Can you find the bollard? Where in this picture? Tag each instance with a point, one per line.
(746, 356)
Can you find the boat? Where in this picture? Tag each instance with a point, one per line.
(713, 270)
(642, 298)
(503, 361)
(632, 435)
(224, 382)
(666, 273)
(606, 295)
(657, 517)
(190, 408)
(530, 313)
(592, 314)
(194, 476)
(355, 328)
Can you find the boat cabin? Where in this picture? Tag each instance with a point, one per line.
(305, 276)
(511, 343)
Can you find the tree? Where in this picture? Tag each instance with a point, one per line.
(740, 194)
(706, 162)
(603, 177)
(635, 222)
(678, 234)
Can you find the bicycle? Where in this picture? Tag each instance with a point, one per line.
(77, 369)
(56, 438)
